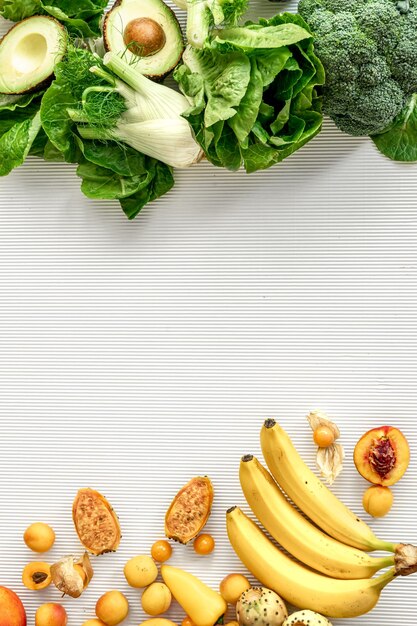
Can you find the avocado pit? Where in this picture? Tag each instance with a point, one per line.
(144, 36)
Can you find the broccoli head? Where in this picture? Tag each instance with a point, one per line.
(369, 51)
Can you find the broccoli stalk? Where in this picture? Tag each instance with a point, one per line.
(203, 15)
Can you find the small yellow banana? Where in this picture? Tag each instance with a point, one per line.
(296, 534)
(296, 584)
(311, 495)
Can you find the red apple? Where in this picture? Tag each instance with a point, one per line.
(12, 612)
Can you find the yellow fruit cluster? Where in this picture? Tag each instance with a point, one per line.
(338, 580)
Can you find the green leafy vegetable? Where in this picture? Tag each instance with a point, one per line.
(203, 15)
(86, 94)
(12, 103)
(89, 99)
(16, 142)
(56, 121)
(20, 131)
(160, 184)
(39, 144)
(81, 17)
(9, 118)
(113, 171)
(369, 52)
(399, 141)
(73, 76)
(253, 93)
(17, 10)
(132, 109)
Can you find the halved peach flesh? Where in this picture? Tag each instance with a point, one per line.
(382, 455)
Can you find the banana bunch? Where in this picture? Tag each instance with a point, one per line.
(339, 583)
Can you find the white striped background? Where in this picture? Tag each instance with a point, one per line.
(134, 355)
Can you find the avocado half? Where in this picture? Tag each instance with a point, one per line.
(146, 33)
(29, 53)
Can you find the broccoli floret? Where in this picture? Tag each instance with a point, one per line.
(369, 52)
(381, 23)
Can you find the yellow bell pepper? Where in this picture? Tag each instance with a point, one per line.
(203, 605)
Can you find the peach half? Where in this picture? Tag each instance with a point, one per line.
(382, 455)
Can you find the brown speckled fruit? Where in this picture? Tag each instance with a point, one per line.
(95, 521)
(189, 510)
(382, 455)
(260, 605)
(306, 618)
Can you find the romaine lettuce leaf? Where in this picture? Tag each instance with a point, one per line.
(81, 17)
(254, 92)
(17, 141)
(110, 170)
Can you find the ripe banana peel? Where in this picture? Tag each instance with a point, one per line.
(296, 534)
(295, 583)
(312, 496)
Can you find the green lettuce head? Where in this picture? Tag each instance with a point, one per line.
(254, 92)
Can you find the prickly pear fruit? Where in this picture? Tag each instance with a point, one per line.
(259, 606)
(306, 618)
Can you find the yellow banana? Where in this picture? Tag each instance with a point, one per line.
(296, 534)
(295, 583)
(311, 495)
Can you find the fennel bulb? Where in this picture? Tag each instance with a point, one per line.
(167, 140)
(151, 120)
(154, 99)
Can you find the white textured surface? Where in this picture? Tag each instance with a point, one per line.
(135, 355)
